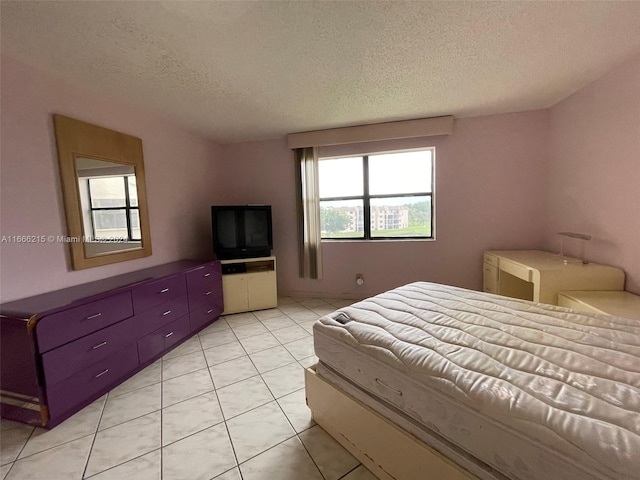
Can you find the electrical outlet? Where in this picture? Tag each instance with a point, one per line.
(359, 279)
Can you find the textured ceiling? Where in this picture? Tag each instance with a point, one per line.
(246, 70)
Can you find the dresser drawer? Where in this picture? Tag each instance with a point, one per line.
(62, 327)
(158, 292)
(165, 337)
(203, 296)
(208, 274)
(91, 382)
(64, 361)
(158, 316)
(206, 315)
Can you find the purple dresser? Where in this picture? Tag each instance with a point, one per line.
(62, 350)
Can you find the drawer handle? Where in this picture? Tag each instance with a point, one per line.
(102, 373)
(208, 293)
(207, 275)
(380, 382)
(164, 290)
(166, 313)
(168, 335)
(209, 311)
(91, 317)
(99, 345)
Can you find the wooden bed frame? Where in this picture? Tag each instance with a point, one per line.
(387, 450)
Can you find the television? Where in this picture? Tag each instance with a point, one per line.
(241, 231)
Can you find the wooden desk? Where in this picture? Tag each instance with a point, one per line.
(540, 276)
(618, 304)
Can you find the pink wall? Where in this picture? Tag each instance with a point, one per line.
(489, 179)
(180, 168)
(593, 179)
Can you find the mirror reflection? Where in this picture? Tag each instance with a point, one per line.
(109, 203)
(104, 193)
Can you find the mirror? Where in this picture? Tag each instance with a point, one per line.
(104, 192)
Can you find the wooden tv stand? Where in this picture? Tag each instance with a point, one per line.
(249, 284)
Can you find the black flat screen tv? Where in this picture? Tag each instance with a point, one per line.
(241, 231)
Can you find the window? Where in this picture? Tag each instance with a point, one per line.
(378, 196)
(114, 208)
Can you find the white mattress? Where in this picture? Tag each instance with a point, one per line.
(533, 391)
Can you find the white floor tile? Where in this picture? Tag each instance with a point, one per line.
(4, 470)
(295, 408)
(131, 405)
(66, 461)
(146, 467)
(259, 342)
(271, 359)
(289, 334)
(174, 367)
(243, 396)
(150, 375)
(302, 348)
(230, 475)
(233, 371)
(255, 431)
(267, 314)
(284, 380)
(330, 457)
(308, 361)
(12, 441)
(286, 461)
(119, 444)
(214, 339)
(83, 423)
(277, 323)
(224, 353)
(199, 457)
(245, 331)
(216, 327)
(191, 345)
(186, 418)
(186, 386)
(239, 319)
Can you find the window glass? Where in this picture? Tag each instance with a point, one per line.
(401, 217)
(395, 189)
(342, 219)
(134, 215)
(107, 192)
(404, 172)
(133, 191)
(110, 224)
(340, 177)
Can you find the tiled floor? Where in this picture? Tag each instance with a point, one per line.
(227, 404)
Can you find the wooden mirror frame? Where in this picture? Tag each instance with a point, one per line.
(77, 139)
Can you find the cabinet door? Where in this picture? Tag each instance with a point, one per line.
(234, 293)
(262, 290)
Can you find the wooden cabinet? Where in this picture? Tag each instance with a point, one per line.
(249, 284)
(540, 276)
(62, 350)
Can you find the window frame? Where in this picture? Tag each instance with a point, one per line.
(366, 198)
(127, 208)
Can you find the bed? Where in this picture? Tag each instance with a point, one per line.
(472, 385)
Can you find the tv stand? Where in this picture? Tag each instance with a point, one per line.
(249, 284)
